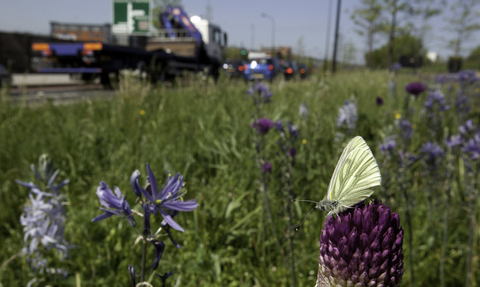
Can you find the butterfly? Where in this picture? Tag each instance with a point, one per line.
(355, 178)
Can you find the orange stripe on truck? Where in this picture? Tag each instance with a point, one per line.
(40, 47)
(92, 46)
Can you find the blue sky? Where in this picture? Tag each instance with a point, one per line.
(294, 19)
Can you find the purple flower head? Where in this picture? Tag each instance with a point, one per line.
(432, 153)
(263, 125)
(454, 141)
(166, 227)
(379, 101)
(415, 88)
(292, 152)
(114, 204)
(436, 100)
(388, 145)
(166, 199)
(362, 246)
(267, 167)
(260, 93)
(406, 129)
(395, 67)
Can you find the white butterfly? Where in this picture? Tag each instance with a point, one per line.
(355, 178)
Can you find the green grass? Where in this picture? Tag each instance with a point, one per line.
(202, 131)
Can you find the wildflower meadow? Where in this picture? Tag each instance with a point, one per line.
(199, 184)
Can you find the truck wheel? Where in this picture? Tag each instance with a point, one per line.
(105, 81)
(159, 73)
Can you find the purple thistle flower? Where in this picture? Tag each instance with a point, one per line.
(406, 129)
(166, 199)
(379, 101)
(267, 167)
(114, 204)
(454, 141)
(362, 246)
(431, 152)
(415, 88)
(263, 125)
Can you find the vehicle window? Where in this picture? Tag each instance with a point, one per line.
(217, 36)
(263, 61)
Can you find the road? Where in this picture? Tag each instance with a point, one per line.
(60, 89)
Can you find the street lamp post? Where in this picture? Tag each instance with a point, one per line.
(273, 30)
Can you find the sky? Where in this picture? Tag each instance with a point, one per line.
(240, 19)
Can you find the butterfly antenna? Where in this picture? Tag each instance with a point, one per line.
(298, 227)
(293, 200)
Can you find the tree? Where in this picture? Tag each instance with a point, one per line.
(349, 53)
(159, 6)
(463, 23)
(368, 18)
(399, 11)
(474, 54)
(407, 45)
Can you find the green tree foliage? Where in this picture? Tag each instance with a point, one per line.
(406, 45)
(474, 55)
(464, 22)
(367, 19)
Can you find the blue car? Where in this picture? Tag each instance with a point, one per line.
(262, 69)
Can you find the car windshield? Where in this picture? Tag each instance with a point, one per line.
(262, 61)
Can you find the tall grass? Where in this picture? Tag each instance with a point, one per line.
(202, 131)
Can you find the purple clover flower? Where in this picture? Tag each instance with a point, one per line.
(263, 125)
(167, 199)
(415, 88)
(114, 204)
(362, 246)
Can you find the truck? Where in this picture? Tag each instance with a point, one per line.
(183, 44)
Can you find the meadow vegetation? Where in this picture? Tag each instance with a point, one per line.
(202, 131)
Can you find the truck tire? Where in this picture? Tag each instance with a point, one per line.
(158, 73)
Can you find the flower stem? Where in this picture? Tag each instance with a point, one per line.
(445, 240)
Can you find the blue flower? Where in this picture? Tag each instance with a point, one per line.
(260, 93)
(388, 145)
(467, 76)
(406, 129)
(439, 100)
(114, 204)
(347, 115)
(293, 131)
(472, 147)
(431, 152)
(159, 247)
(168, 198)
(395, 67)
(454, 141)
(267, 167)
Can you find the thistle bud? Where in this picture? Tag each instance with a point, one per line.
(362, 246)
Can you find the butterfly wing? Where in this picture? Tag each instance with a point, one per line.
(356, 175)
